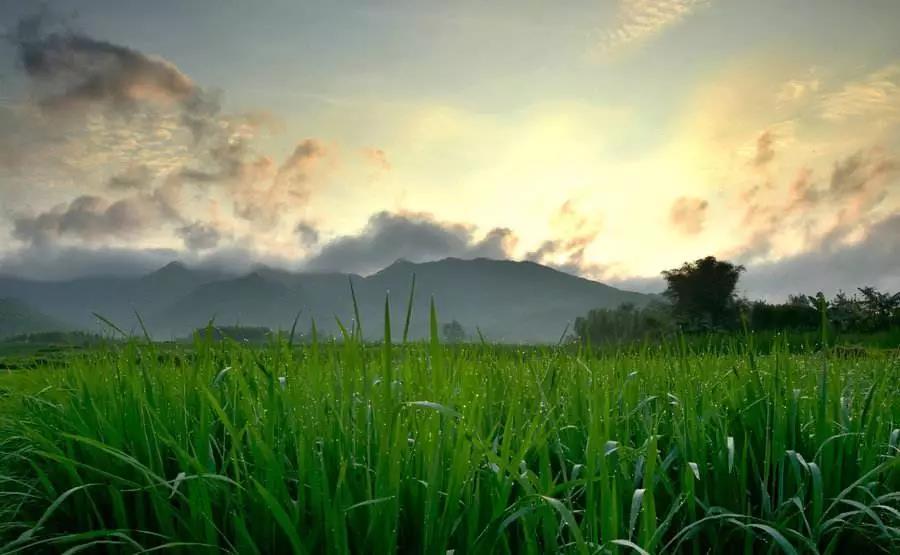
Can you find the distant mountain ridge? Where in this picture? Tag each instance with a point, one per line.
(506, 300)
(18, 318)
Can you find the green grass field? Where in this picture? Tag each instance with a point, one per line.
(339, 447)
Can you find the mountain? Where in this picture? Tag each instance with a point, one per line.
(115, 298)
(247, 300)
(505, 300)
(17, 318)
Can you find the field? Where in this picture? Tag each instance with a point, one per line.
(339, 447)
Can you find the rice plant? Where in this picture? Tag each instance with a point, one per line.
(340, 446)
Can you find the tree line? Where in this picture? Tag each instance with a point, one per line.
(701, 297)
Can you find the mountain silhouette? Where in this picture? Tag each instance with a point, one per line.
(18, 317)
(506, 301)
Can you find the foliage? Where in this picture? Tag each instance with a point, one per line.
(625, 324)
(703, 301)
(869, 312)
(796, 314)
(453, 332)
(702, 293)
(882, 309)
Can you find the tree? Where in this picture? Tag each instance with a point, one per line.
(702, 292)
(454, 332)
(624, 324)
(881, 309)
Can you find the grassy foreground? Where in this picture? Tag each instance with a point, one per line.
(425, 448)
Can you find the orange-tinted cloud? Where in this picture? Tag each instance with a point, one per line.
(264, 201)
(688, 215)
(765, 151)
(575, 234)
(818, 212)
(378, 158)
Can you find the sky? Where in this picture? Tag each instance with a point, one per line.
(611, 139)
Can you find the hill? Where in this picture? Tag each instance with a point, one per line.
(507, 301)
(17, 318)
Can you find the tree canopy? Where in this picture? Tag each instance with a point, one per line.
(702, 292)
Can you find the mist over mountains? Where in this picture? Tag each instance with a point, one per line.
(507, 301)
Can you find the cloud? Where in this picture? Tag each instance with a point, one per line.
(305, 154)
(92, 218)
(796, 90)
(262, 191)
(126, 142)
(498, 243)
(199, 236)
(135, 177)
(52, 262)
(872, 260)
(639, 20)
(819, 211)
(571, 251)
(574, 234)
(377, 158)
(412, 236)
(307, 233)
(764, 149)
(688, 215)
(858, 172)
(75, 72)
(55, 262)
(877, 94)
(287, 187)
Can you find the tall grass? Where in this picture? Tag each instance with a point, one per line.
(343, 447)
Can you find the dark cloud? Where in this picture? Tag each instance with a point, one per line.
(200, 113)
(764, 149)
(226, 151)
(75, 71)
(94, 105)
(855, 174)
(199, 236)
(136, 177)
(55, 262)
(875, 260)
(91, 218)
(498, 243)
(412, 236)
(688, 215)
(307, 233)
(228, 161)
(50, 262)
